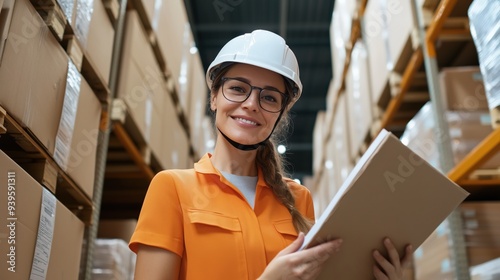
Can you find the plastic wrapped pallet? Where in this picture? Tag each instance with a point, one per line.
(487, 271)
(467, 129)
(113, 260)
(485, 30)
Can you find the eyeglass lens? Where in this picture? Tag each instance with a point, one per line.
(238, 91)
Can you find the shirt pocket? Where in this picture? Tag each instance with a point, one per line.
(219, 236)
(286, 230)
(214, 219)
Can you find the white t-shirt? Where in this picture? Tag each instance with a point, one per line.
(246, 185)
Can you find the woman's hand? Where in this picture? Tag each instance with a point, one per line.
(391, 268)
(305, 264)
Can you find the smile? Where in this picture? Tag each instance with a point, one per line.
(246, 121)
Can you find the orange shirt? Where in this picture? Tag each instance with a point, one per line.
(199, 215)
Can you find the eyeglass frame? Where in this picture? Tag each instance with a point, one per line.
(284, 95)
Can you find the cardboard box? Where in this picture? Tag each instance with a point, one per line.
(180, 145)
(340, 134)
(185, 77)
(175, 146)
(155, 133)
(467, 129)
(359, 102)
(338, 50)
(67, 238)
(330, 170)
(199, 98)
(479, 255)
(400, 26)
(378, 54)
(462, 89)
(206, 142)
(76, 143)
(318, 143)
(331, 96)
(345, 10)
(94, 31)
(172, 25)
(141, 85)
(100, 38)
(318, 193)
(152, 9)
(28, 91)
(120, 229)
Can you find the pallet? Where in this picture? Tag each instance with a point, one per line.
(23, 147)
(53, 15)
(74, 50)
(129, 147)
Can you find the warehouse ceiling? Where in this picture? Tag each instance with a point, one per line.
(305, 26)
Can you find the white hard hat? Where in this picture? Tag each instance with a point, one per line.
(261, 48)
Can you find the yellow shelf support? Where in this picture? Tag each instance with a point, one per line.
(412, 67)
(487, 148)
(442, 12)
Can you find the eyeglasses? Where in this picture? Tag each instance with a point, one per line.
(270, 100)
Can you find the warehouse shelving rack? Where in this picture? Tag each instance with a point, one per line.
(423, 63)
(486, 149)
(117, 142)
(21, 144)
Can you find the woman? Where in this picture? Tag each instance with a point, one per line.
(235, 215)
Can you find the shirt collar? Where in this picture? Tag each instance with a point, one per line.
(205, 166)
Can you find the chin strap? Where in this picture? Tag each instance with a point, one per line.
(241, 146)
(251, 147)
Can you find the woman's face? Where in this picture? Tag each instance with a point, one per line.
(247, 123)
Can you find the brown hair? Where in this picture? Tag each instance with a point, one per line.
(270, 161)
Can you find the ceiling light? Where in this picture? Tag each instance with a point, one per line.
(281, 149)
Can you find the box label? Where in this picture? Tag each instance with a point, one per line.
(44, 236)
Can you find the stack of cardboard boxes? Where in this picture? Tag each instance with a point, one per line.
(158, 97)
(467, 115)
(41, 236)
(434, 259)
(42, 89)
